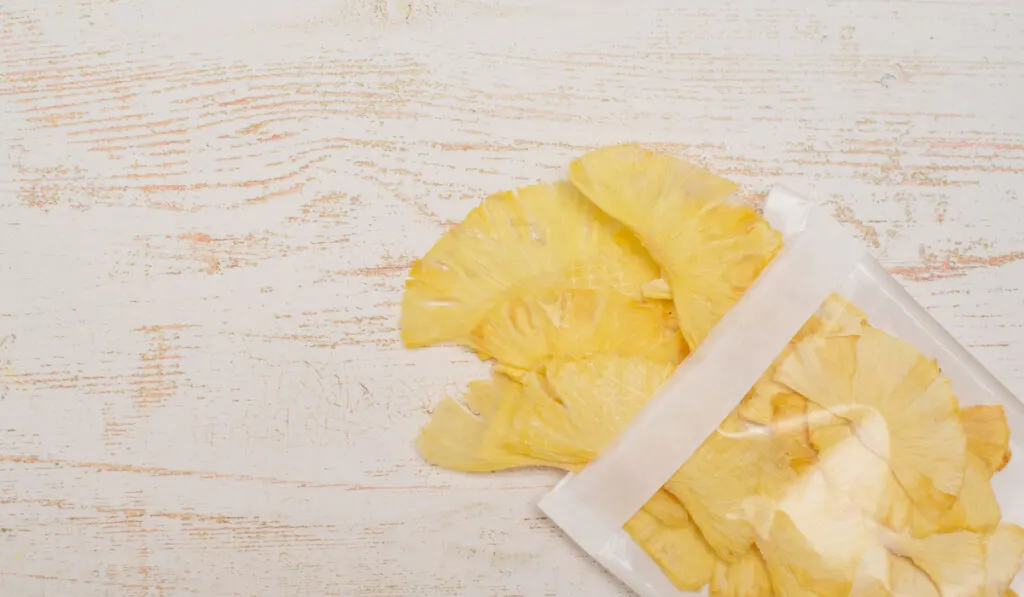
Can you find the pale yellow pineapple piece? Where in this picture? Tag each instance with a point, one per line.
(885, 394)
(988, 435)
(746, 577)
(457, 439)
(1004, 549)
(976, 508)
(573, 410)
(710, 250)
(955, 562)
(733, 465)
(543, 236)
(525, 331)
(680, 551)
(907, 580)
(667, 509)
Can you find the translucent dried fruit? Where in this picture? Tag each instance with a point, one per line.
(680, 551)
(955, 562)
(1004, 549)
(891, 399)
(733, 465)
(836, 317)
(746, 577)
(798, 566)
(988, 435)
(667, 509)
(572, 411)
(710, 251)
(976, 508)
(457, 439)
(907, 580)
(543, 236)
(527, 330)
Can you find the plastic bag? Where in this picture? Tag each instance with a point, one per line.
(815, 429)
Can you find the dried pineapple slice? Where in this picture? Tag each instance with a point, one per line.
(733, 465)
(835, 318)
(747, 577)
(667, 509)
(680, 551)
(576, 408)
(528, 330)
(892, 399)
(1004, 549)
(955, 562)
(710, 251)
(536, 237)
(907, 580)
(988, 435)
(457, 439)
(976, 508)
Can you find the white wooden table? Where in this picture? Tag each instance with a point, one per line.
(208, 207)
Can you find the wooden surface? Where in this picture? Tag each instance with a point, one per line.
(208, 207)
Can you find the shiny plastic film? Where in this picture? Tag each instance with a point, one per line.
(827, 438)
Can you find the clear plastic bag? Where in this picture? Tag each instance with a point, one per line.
(828, 438)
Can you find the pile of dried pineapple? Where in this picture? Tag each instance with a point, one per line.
(848, 469)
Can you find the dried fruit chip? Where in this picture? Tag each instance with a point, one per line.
(680, 551)
(1004, 549)
(955, 562)
(907, 580)
(710, 251)
(988, 435)
(575, 408)
(528, 330)
(458, 439)
(892, 399)
(976, 508)
(667, 508)
(543, 236)
(733, 465)
(747, 577)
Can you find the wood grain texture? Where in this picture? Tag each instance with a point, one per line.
(207, 210)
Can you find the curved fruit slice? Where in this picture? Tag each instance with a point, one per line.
(1004, 549)
(680, 551)
(888, 396)
(988, 435)
(572, 411)
(733, 465)
(710, 251)
(954, 561)
(457, 439)
(747, 577)
(530, 329)
(536, 237)
(907, 580)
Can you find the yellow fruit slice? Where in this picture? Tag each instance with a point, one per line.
(710, 251)
(667, 509)
(1004, 549)
(907, 580)
(988, 435)
(457, 439)
(530, 329)
(680, 551)
(883, 392)
(976, 508)
(747, 577)
(955, 562)
(537, 237)
(576, 408)
(733, 465)
(798, 567)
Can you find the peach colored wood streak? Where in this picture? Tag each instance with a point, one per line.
(207, 209)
